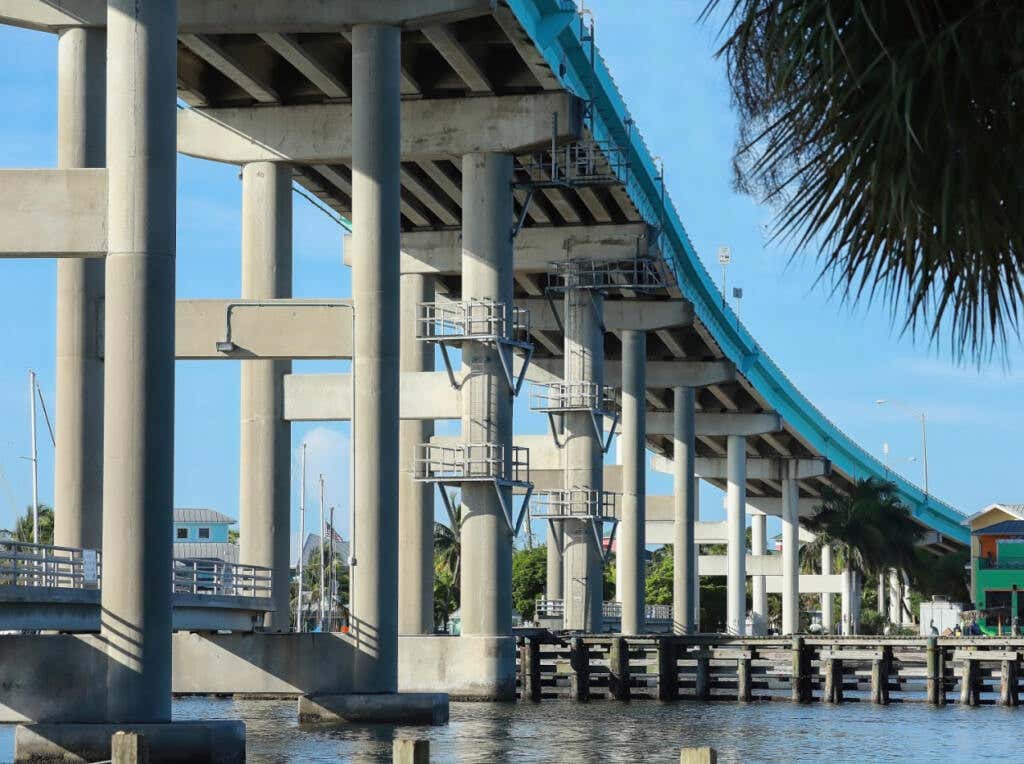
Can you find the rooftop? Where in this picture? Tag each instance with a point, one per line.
(1005, 528)
(194, 515)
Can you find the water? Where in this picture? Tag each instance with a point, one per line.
(639, 731)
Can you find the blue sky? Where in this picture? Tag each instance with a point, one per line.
(842, 358)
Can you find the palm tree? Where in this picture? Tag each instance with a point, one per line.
(447, 567)
(23, 526)
(887, 133)
(870, 530)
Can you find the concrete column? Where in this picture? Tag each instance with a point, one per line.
(555, 539)
(758, 584)
(375, 290)
(906, 616)
(138, 426)
(415, 499)
(78, 459)
(486, 604)
(880, 594)
(264, 494)
(631, 544)
(895, 598)
(735, 505)
(684, 511)
(696, 578)
(790, 552)
(584, 362)
(827, 621)
(846, 604)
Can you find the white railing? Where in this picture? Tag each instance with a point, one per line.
(567, 503)
(545, 608)
(214, 577)
(638, 274)
(560, 397)
(481, 319)
(471, 461)
(25, 564)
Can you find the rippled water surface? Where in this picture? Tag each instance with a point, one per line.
(641, 731)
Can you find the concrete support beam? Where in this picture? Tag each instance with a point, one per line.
(328, 397)
(550, 480)
(138, 436)
(631, 547)
(53, 213)
(711, 468)
(790, 552)
(375, 120)
(753, 565)
(759, 592)
(228, 17)
(735, 503)
(684, 510)
(78, 458)
(433, 129)
(264, 493)
(659, 374)
(619, 316)
(738, 425)
(440, 252)
(486, 575)
(415, 499)
(271, 329)
(662, 532)
(809, 583)
(771, 505)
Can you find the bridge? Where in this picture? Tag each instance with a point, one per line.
(507, 220)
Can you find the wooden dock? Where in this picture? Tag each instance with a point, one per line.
(803, 669)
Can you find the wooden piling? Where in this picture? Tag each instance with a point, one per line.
(618, 669)
(668, 669)
(529, 670)
(833, 681)
(1008, 672)
(969, 681)
(704, 755)
(128, 748)
(579, 678)
(880, 668)
(743, 689)
(800, 674)
(702, 675)
(410, 752)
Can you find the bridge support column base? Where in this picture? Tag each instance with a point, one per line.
(385, 708)
(198, 741)
(473, 668)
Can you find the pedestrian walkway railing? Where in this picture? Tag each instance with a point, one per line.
(26, 564)
(548, 608)
(42, 565)
(214, 577)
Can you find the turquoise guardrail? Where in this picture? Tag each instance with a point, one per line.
(556, 29)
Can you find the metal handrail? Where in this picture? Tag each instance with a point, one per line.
(552, 608)
(564, 503)
(478, 318)
(637, 273)
(471, 461)
(214, 577)
(571, 396)
(26, 564)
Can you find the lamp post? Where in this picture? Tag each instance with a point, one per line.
(924, 433)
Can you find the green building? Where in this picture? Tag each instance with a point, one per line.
(997, 566)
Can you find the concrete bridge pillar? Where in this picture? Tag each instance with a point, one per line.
(415, 499)
(735, 505)
(583, 583)
(81, 142)
(375, 290)
(630, 557)
(895, 598)
(684, 503)
(790, 551)
(696, 578)
(138, 436)
(758, 584)
(486, 397)
(555, 540)
(827, 566)
(264, 495)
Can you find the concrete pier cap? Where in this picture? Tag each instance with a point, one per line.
(375, 708)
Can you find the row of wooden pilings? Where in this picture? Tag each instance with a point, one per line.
(722, 668)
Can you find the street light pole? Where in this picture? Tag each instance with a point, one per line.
(924, 434)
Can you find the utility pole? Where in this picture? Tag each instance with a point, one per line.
(322, 534)
(724, 258)
(35, 456)
(333, 568)
(299, 609)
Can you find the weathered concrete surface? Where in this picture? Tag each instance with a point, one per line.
(275, 664)
(225, 16)
(268, 329)
(619, 316)
(328, 397)
(431, 129)
(78, 452)
(376, 708)
(466, 668)
(220, 741)
(711, 468)
(440, 252)
(660, 374)
(711, 423)
(53, 213)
